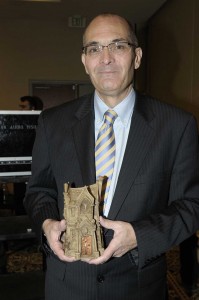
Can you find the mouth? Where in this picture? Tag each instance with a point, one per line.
(107, 72)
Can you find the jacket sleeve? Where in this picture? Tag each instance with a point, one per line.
(41, 196)
(157, 233)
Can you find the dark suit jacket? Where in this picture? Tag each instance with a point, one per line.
(157, 192)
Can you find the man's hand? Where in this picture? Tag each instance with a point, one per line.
(124, 240)
(53, 230)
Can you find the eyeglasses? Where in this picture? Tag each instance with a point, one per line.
(120, 48)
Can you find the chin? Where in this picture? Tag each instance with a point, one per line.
(109, 86)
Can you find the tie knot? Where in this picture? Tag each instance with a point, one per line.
(110, 116)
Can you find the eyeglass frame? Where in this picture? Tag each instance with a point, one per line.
(107, 46)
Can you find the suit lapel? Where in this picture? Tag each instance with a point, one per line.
(140, 138)
(84, 138)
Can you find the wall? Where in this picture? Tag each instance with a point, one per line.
(36, 50)
(173, 54)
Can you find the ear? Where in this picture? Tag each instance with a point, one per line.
(138, 57)
(84, 62)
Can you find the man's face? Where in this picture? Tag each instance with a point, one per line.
(24, 105)
(110, 73)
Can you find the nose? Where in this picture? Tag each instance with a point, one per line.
(106, 56)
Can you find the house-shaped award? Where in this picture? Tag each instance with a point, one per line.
(83, 236)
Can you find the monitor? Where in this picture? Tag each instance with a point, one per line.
(17, 135)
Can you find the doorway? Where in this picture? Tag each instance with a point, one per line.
(53, 93)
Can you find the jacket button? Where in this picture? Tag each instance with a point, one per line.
(100, 278)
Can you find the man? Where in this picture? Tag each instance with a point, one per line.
(30, 103)
(153, 200)
(26, 103)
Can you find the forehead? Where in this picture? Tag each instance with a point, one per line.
(106, 29)
(24, 103)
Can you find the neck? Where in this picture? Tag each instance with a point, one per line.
(113, 100)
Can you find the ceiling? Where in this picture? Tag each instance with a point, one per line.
(137, 11)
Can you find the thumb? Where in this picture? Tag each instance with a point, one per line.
(108, 224)
(62, 225)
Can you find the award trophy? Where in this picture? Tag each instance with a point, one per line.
(83, 235)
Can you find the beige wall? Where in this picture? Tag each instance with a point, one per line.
(36, 50)
(173, 54)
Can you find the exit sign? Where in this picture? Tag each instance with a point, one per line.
(77, 21)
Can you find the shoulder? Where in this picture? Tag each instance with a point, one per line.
(164, 118)
(68, 111)
(161, 110)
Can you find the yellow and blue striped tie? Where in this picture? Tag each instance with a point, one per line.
(105, 153)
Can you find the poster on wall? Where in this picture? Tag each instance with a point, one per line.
(17, 135)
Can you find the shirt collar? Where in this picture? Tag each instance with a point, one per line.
(124, 109)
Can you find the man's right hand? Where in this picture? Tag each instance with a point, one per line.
(53, 230)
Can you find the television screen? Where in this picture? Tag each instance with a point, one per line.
(17, 135)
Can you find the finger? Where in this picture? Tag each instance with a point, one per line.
(62, 225)
(66, 258)
(119, 253)
(99, 260)
(108, 253)
(59, 252)
(107, 223)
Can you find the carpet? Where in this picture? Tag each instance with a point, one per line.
(176, 290)
(24, 257)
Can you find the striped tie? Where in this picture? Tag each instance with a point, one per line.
(105, 154)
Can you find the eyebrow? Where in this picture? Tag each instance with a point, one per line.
(93, 43)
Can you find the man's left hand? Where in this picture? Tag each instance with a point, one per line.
(124, 240)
